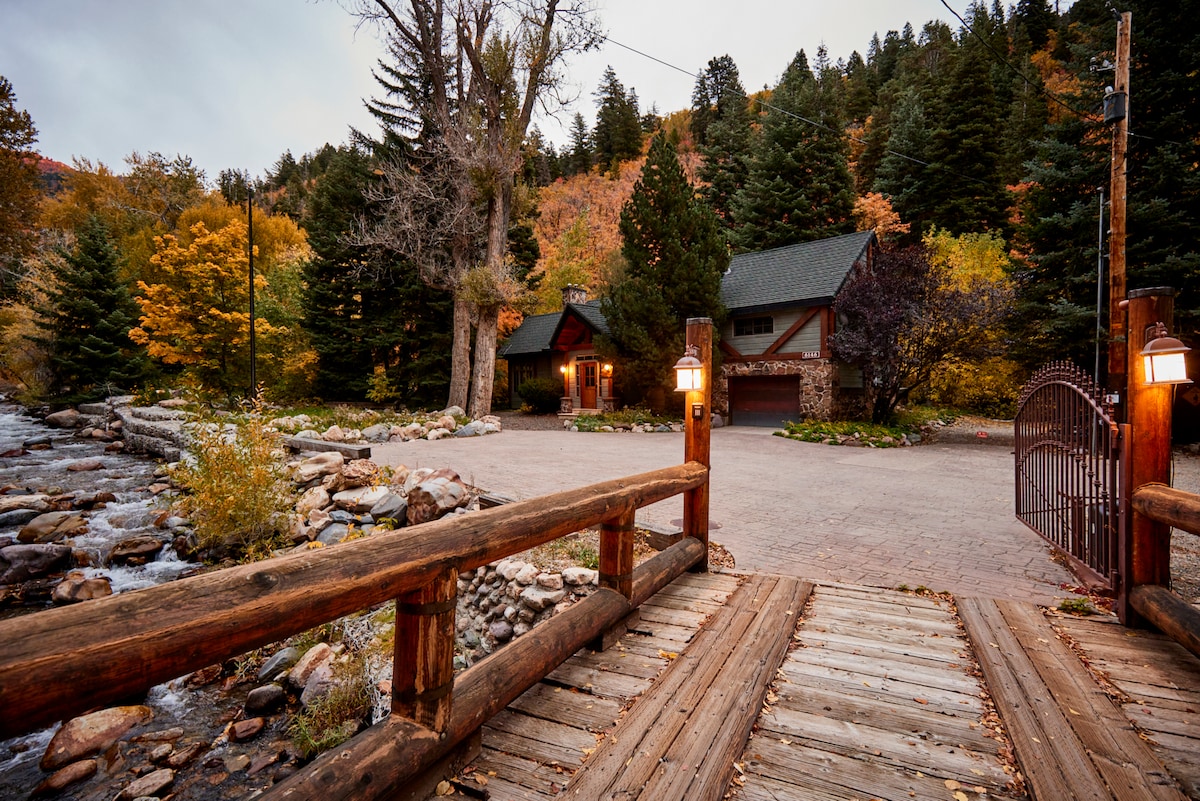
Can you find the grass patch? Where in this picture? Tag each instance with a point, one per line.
(910, 423)
(336, 716)
(1076, 606)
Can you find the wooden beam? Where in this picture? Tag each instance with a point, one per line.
(1168, 505)
(64, 661)
(423, 662)
(349, 451)
(730, 351)
(796, 326)
(1172, 615)
(616, 554)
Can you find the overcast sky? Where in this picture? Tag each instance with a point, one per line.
(234, 83)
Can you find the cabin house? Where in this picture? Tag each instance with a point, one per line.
(560, 345)
(775, 359)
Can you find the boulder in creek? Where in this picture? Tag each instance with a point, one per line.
(77, 587)
(85, 466)
(281, 660)
(92, 734)
(67, 418)
(65, 777)
(32, 500)
(19, 517)
(152, 785)
(135, 550)
(312, 659)
(20, 563)
(52, 527)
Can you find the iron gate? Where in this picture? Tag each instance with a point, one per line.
(1070, 461)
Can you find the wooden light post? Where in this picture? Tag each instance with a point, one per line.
(1145, 556)
(697, 415)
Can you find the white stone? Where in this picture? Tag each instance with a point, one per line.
(360, 499)
(333, 434)
(313, 498)
(579, 576)
(527, 575)
(509, 568)
(550, 581)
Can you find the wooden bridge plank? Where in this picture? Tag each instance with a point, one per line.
(951, 677)
(932, 654)
(852, 682)
(604, 683)
(569, 707)
(897, 619)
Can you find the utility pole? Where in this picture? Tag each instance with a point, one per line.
(250, 245)
(1116, 112)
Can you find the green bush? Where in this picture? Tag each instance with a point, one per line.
(989, 388)
(239, 498)
(542, 394)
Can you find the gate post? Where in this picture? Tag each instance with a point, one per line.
(1145, 555)
(697, 416)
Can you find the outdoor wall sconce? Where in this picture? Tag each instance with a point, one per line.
(562, 368)
(608, 369)
(1163, 357)
(689, 372)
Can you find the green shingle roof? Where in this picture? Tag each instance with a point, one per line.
(810, 273)
(536, 333)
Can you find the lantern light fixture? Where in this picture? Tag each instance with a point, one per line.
(1164, 358)
(689, 372)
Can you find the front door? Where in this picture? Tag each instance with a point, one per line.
(587, 384)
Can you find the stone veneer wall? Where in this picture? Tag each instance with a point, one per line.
(819, 397)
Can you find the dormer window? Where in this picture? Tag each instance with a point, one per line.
(750, 326)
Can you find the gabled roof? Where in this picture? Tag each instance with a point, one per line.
(809, 274)
(539, 332)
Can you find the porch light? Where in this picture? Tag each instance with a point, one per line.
(562, 368)
(689, 372)
(1164, 358)
(608, 369)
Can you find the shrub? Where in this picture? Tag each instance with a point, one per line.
(239, 497)
(989, 388)
(542, 394)
(336, 716)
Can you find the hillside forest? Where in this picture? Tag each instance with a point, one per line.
(385, 270)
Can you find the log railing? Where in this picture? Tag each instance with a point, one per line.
(65, 661)
(1154, 602)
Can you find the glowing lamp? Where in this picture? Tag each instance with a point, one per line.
(1164, 358)
(689, 372)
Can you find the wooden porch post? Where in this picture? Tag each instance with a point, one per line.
(423, 663)
(1145, 556)
(697, 415)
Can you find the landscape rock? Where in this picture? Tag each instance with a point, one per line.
(318, 466)
(392, 507)
(438, 433)
(435, 497)
(447, 422)
(313, 498)
(579, 576)
(67, 418)
(76, 588)
(377, 433)
(318, 520)
(471, 429)
(52, 527)
(333, 533)
(358, 473)
(20, 563)
(281, 660)
(360, 499)
(91, 734)
(334, 434)
(538, 598)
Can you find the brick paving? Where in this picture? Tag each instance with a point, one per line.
(938, 515)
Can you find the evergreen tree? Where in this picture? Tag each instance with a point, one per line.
(19, 192)
(799, 187)
(726, 136)
(579, 158)
(675, 257)
(87, 319)
(618, 133)
(366, 309)
(717, 90)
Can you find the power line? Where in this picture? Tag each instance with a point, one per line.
(787, 113)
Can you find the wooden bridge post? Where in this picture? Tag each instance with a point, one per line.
(616, 553)
(697, 415)
(1145, 556)
(423, 663)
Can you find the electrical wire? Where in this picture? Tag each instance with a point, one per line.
(787, 113)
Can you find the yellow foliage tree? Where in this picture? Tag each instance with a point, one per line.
(198, 316)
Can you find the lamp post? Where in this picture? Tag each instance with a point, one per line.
(1155, 363)
(693, 376)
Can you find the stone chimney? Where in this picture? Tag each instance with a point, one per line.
(574, 293)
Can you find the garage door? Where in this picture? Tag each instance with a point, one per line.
(761, 400)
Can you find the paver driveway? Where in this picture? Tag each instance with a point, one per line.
(934, 515)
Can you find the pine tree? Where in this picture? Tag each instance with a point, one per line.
(363, 308)
(618, 133)
(87, 319)
(799, 186)
(675, 257)
(579, 158)
(19, 191)
(724, 137)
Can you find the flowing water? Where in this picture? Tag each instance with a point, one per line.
(133, 513)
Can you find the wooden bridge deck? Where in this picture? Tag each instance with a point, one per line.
(872, 694)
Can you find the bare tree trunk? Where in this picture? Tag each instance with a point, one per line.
(460, 355)
(485, 362)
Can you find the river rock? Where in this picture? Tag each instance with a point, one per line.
(13, 453)
(265, 699)
(333, 533)
(20, 563)
(64, 778)
(94, 499)
(319, 683)
(19, 517)
(377, 433)
(32, 500)
(52, 526)
(538, 598)
(67, 418)
(318, 519)
(312, 659)
(415, 477)
(360, 499)
(246, 729)
(281, 660)
(151, 785)
(38, 442)
(434, 497)
(314, 467)
(135, 550)
(76, 587)
(91, 734)
(313, 498)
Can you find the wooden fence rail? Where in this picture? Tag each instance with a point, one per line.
(1156, 603)
(65, 661)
